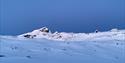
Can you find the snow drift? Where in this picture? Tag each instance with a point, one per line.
(63, 36)
(42, 46)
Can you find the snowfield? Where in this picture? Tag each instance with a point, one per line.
(47, 47)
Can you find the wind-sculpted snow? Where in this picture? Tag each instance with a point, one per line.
(63, 36)
(101, 47)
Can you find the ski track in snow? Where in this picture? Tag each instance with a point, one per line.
(102, 47)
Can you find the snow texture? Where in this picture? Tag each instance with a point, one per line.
(47, 47)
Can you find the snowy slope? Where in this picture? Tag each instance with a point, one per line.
(63, 36)
(102, 47)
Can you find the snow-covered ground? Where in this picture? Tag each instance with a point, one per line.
(47, 47)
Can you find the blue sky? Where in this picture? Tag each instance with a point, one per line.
(20, 16)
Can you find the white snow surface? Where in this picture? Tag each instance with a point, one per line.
(101, 47)
(63, 36)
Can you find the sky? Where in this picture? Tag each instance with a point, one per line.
(21, 16)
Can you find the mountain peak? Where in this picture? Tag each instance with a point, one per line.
(44, 32)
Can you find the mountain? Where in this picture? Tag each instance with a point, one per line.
(43, 46)
(63, 36)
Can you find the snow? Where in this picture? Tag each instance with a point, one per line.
(101, 47)
(63, 36)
